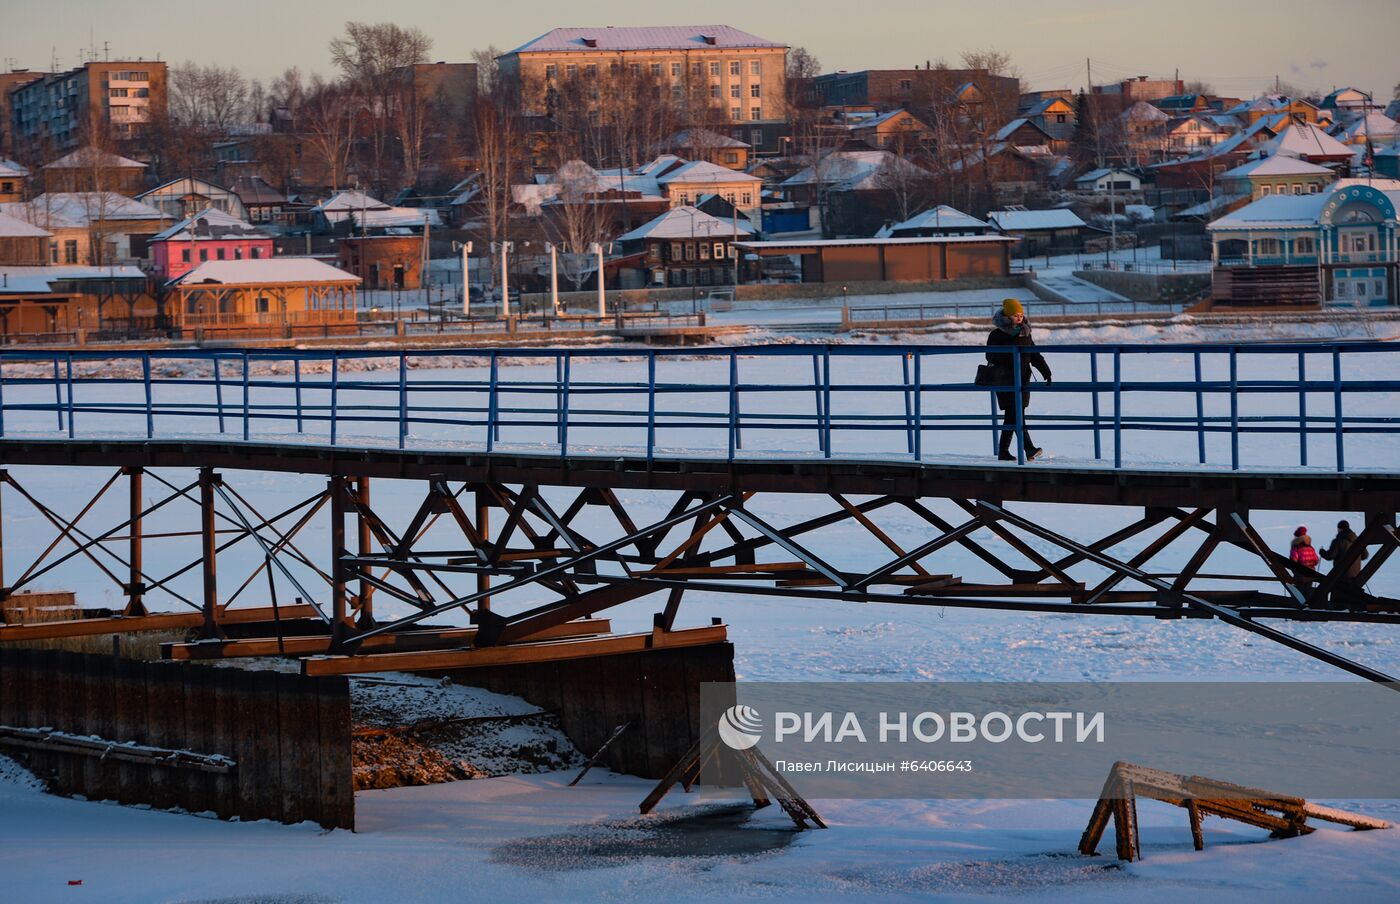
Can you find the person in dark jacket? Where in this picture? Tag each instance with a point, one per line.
(1012, 328)
(1335, 552)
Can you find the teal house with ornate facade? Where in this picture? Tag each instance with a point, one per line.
(1337, 247)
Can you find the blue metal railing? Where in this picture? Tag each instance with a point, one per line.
(1197, 405)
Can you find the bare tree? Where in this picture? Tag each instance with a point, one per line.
(804, 106)
(500, 150)
(908, 186)
(578, 218)
(327, 116)
(208, 97)
(374, 59)
(488, 71)
(1198, 87)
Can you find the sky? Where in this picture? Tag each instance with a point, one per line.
(1237, 46)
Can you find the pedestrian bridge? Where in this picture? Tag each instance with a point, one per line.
(539, 487)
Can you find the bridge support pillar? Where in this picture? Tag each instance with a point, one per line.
(136, 586)
(208, 480)
(340, 623)
(365, 607)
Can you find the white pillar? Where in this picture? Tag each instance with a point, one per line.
(554, 276)
(505, 281)
(602, 296)
(466, 280)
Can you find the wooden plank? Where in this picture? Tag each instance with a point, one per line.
(549, 651)
(320, 643)
(163, 621)
(295, 739)
(656, 705)
(65, 702)
(133, 779)
(337, 782)
(223, 736)
(198, 711)
(99, 700)
(1343, 817)
(165, 700)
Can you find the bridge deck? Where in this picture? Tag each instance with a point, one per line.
(1297, 490)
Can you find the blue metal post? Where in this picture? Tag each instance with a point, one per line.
(1200, 414)
(817, 402)
(146, 382)
(1018, 412)
(651, 405)
(1302, 409)
(558, 398)
(1337, 406)
(296, 383)
(245, 397)
(218, 393)
(403, 399)
(335, 391)
(1234, 411)
(908, 405)
(1117, 408)
(2, 399)
(564, 408)
(826, 399)
(57, 393)
(491, 407)
(733, 403)
(69, 374)
(1094, 379)
(918, 406)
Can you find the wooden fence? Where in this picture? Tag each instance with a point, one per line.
(288, 736)
(658, 692)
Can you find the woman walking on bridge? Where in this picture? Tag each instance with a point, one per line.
(1012, 328)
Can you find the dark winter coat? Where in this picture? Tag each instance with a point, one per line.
(1005, 334)
(1337, 549)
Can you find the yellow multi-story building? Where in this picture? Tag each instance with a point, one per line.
(732, 80)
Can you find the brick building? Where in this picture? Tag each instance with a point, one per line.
(63, 110)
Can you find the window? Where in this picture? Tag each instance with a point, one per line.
(704, 251)
(550, 71)
(755, 137)
(755, 113)
(257, 253)
(1266, 190)
(714, 69)
(1312, 189)
(238, 254)
(736, 113)
(70, 251)
(754, 90)
(1059, 117)
(1342, 287)
(747, 198)
(906, 84)
(677, 92)
(1297, 188)
(53, 251)
(1304, 244)
(614, 67)
(698, 69)
(734, 68)
(731, 158)
(118, 92)
(733, 90)
(204, 254)
(220, 254)
(689, 251)
(7, 187)
(591, 70)
(719, 250)
(1378, 289)
(675, 70)
(262, 304)
(1268, 247)
(656, 69)
(571, 70)
(755, 67)
(676, 252)
(185, 255)
(729, 196)
(635, 68)
(714, 91)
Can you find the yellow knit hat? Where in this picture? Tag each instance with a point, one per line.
(1012, 306)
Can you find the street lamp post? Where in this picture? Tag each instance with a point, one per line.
(466, 278)
(553, 276)
(597, 248)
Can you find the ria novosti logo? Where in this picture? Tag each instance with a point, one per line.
(740, 727)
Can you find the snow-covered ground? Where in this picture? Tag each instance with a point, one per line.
(531, 838)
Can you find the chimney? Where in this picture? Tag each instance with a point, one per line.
(708, 39)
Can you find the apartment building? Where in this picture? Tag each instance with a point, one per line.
(729, 78)
(60, 111)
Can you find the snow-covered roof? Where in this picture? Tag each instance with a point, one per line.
(880, 119)
(1024, 220)
(266, 271)
(255, 190)
(846, 243)
(1275, 211)
(90, 156)
(390, 217)
(15, 228)
(704, 172)
(940, 217)
(704, 139)
(685, 223)
(210, 224)
(1006, 131)
(1275, 166)
(1303, 139)
(1374, 126)
(9, 169)
(76, 210)
(853, 170)
(660, 164)
(339, 205)
(1211, 205)
(29, 280)
(1096, 174)
(1142, 111)
(651, 37)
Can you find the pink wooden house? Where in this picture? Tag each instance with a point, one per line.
(210, 235)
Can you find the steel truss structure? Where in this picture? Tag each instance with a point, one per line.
(532, 550)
